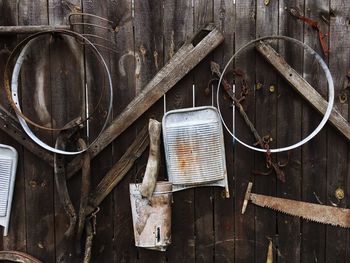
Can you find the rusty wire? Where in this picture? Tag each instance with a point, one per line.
(108, 27)
(263, 142)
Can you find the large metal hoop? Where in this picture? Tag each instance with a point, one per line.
(330, 93)
(14, 90)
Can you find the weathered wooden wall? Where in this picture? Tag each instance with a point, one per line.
(206, 227)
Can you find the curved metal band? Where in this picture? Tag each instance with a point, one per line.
(12, 96)
(17, 256)
(330, 93)
(14, 89)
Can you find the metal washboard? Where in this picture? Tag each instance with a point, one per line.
(194, 148)
(8, 166)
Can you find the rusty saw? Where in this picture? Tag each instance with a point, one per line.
(335, 216)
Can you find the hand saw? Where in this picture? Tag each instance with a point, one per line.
(335, 216)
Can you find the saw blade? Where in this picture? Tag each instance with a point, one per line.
(335, 216)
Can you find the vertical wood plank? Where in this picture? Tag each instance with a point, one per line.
(314, 153)
(125, 89)
(265, 123)
(203, 199)
(289, 110)
(224, 18)
(148, 35)
(244, 158)
(67, 91)
(38, 175)
(102, 249)
(337, 157)
(16, 239)
(178, 26)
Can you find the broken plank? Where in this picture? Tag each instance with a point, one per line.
(303, 87)
(186, 58)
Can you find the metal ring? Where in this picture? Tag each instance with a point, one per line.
(14, 88)
(330, 94)
(13, 96)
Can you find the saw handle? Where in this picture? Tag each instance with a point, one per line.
(247, 197)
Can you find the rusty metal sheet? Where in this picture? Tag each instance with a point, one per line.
(194, 148)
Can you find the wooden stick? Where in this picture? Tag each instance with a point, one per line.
(30, 29)
(11, 126)
(119, 170)
(303, 87)
(189, 55)
(152, 169)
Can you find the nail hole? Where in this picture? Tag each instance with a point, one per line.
(290, 74)
(158, 234)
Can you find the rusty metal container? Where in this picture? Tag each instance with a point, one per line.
(194, 148)
(152, 217)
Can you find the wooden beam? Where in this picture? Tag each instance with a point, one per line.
(30, 29)
(303, 87)
(119, 170)
(11, 126)
(188, 56)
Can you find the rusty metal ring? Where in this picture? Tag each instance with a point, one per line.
(12, 95)
(17, 256)
(14, 84)
(330, 93)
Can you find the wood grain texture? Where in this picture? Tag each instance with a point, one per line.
(203, 196)
(244, 158)
(148, 34)
(188, 57)
(65, 108)
(289, 110)
(102, 249)
(205, 226)
(337, 175)
(16, 239)
(125, 71)
(314, 153)
(224, 219)
(38, 175)
(265, 123)
(304, 88)
(179, 27)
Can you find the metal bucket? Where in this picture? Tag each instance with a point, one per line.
(194, 148)
(152, 217)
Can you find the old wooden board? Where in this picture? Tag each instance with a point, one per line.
(338, 157)
(11, 126)
(205, 226)
(265, 123)
(224, 19)
(148, 37)
(178, 27)
(123, 243)
(289, 110)
(303, 87)
(203, 197)
(244, 159)
(102, 248)
(66, 56)
(38, 175)
(16, 239)
(189, 55)
(314, 154)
